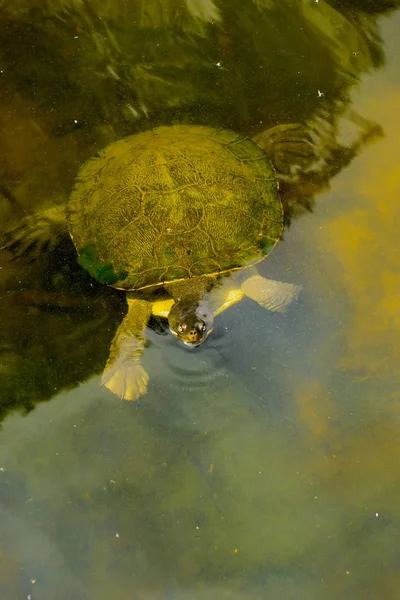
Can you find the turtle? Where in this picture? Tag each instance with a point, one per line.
(177, 217)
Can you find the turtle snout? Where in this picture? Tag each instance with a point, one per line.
(192, 334)
(195, 335)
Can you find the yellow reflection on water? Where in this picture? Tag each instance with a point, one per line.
(349, 409)
(365, 240)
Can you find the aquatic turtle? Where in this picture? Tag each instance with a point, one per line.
(187, 210)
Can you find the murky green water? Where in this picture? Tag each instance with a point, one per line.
(264, 465)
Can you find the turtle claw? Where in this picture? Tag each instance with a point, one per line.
(36, 234)
(25, 239)
(128, 380)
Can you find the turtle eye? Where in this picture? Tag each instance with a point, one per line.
(203, 328)
(181, 327)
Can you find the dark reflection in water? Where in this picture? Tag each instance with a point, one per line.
(52, 313)
(239, 475)
(77, 75)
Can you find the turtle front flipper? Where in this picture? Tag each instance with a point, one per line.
(225, 294)
(37, 233)
(272, 295)
(124, 374)
(290, 148)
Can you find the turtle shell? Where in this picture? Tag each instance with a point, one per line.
(173, 203)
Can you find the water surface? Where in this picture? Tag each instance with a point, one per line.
(265, 464)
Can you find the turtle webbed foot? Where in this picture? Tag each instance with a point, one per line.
(36, 234)
(126, 379)
(290, 148)
(124, 374)
(272, 295)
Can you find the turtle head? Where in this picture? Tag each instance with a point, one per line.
(191, 322)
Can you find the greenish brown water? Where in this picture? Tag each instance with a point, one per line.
(265, 465)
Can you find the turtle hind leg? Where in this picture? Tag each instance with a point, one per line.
(290, 148)
(37, 233)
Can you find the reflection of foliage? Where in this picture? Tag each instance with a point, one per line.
(244, 65)
(372, 7)
(84, 73)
